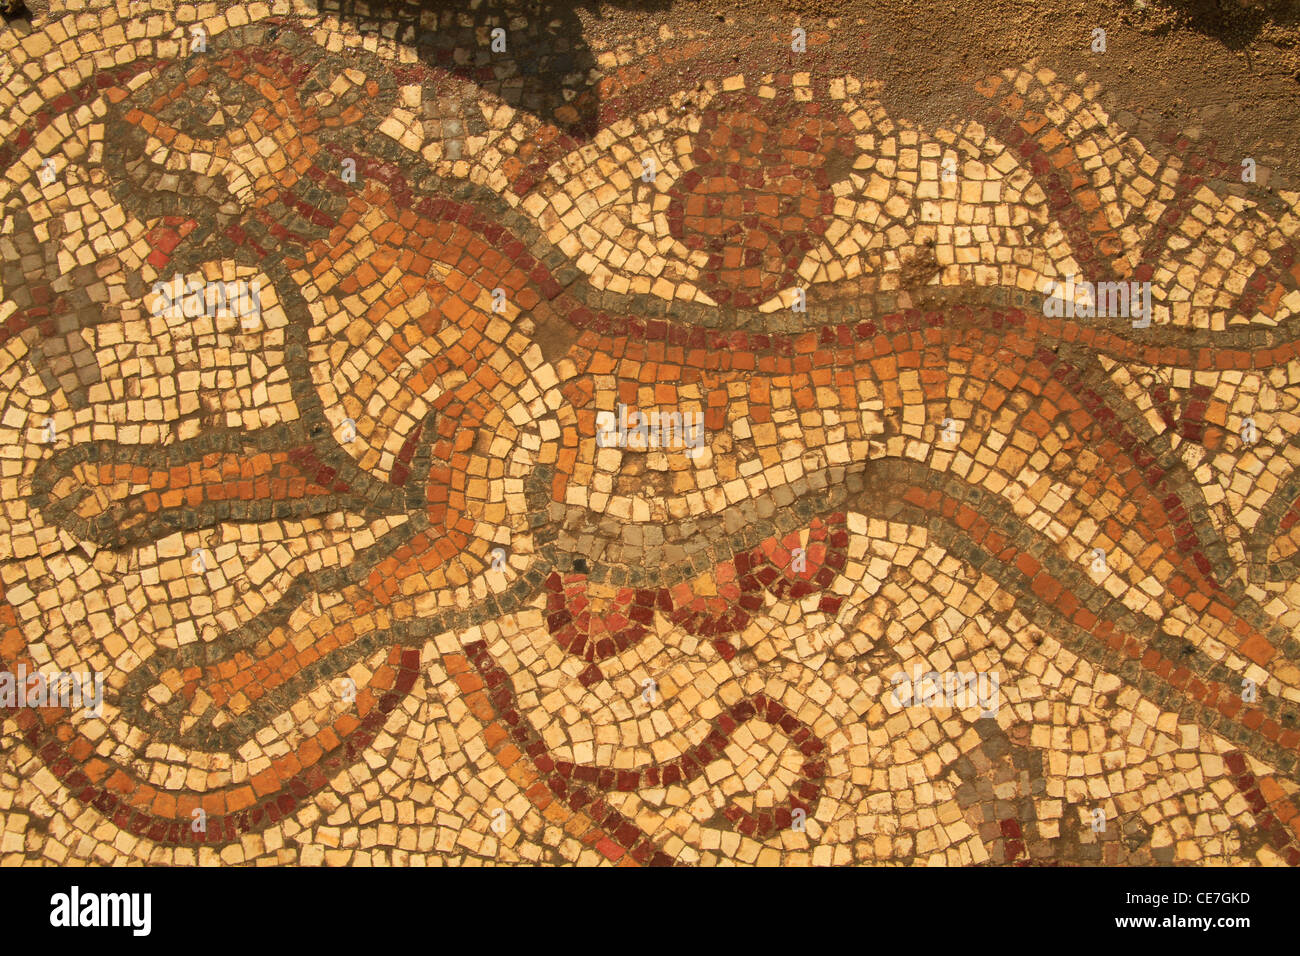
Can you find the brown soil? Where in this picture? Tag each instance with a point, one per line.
(1229, 68)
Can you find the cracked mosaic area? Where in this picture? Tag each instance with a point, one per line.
(368, 583)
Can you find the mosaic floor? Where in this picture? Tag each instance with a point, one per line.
(589, 465)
